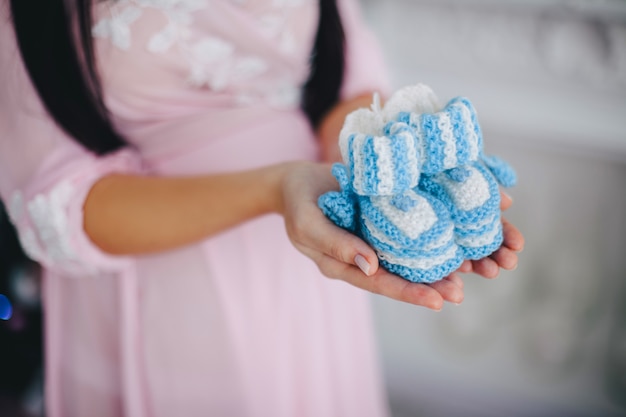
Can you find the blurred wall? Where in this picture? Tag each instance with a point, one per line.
(548, 79)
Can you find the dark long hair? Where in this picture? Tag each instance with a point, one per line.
(62, 67)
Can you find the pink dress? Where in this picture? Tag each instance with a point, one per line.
(240, 324)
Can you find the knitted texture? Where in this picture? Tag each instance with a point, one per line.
(416, 185)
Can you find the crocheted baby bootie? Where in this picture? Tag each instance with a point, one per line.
(471, 195)
(411, 232)
(454, 169)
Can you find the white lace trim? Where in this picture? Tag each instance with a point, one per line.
(213, 62)
(215, 65)
(44, 231)
(117, 27)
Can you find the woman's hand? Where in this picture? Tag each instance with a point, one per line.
(340, 254)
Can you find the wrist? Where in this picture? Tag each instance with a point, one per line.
(274, 179)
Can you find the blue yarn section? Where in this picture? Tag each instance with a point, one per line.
(402, 180)
(370, 168)
(458, 174)
(339, 208)
(460, 133)
(350, 161)
(405, 117)
(504, 173)
(426, 276)
(472, 111)
(403, 202)
(435, 146)
(340, 173)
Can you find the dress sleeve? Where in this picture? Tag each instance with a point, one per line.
(45, 175)
(365, 69)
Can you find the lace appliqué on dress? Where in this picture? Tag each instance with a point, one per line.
(117, 27)
(213, 62)
(44, 231)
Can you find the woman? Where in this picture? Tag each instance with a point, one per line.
(150, 170)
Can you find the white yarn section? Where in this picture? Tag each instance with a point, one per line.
(420, 263)
(472, 138)
(413, 222)
(479, 225)
(362, 121)
(382, 237)
(467, 195)
(415, 98)
(482, 240)
(411, 155)
(447, 135)
(376, 107)
(384, 164)
(357, 154)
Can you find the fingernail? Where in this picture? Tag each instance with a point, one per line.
(508, 195)
(362, 263)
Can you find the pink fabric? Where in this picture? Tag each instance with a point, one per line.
(232, 326)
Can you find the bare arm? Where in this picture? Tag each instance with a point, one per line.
(127, 215)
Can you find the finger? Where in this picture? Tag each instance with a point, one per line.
(456, 279)
(505, 258)
(337, 243)
(505, 200)
(486, 267)
(449, 291)
(513, 238)
(466, 266)
(382, 283)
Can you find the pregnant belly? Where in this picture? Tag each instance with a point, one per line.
(227, 142)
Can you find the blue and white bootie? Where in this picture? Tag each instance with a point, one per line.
(410, 230)
(455, 170)
(472, 196)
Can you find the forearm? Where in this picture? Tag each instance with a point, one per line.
(128, 215)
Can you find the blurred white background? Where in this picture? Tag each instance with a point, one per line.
(548, 79)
